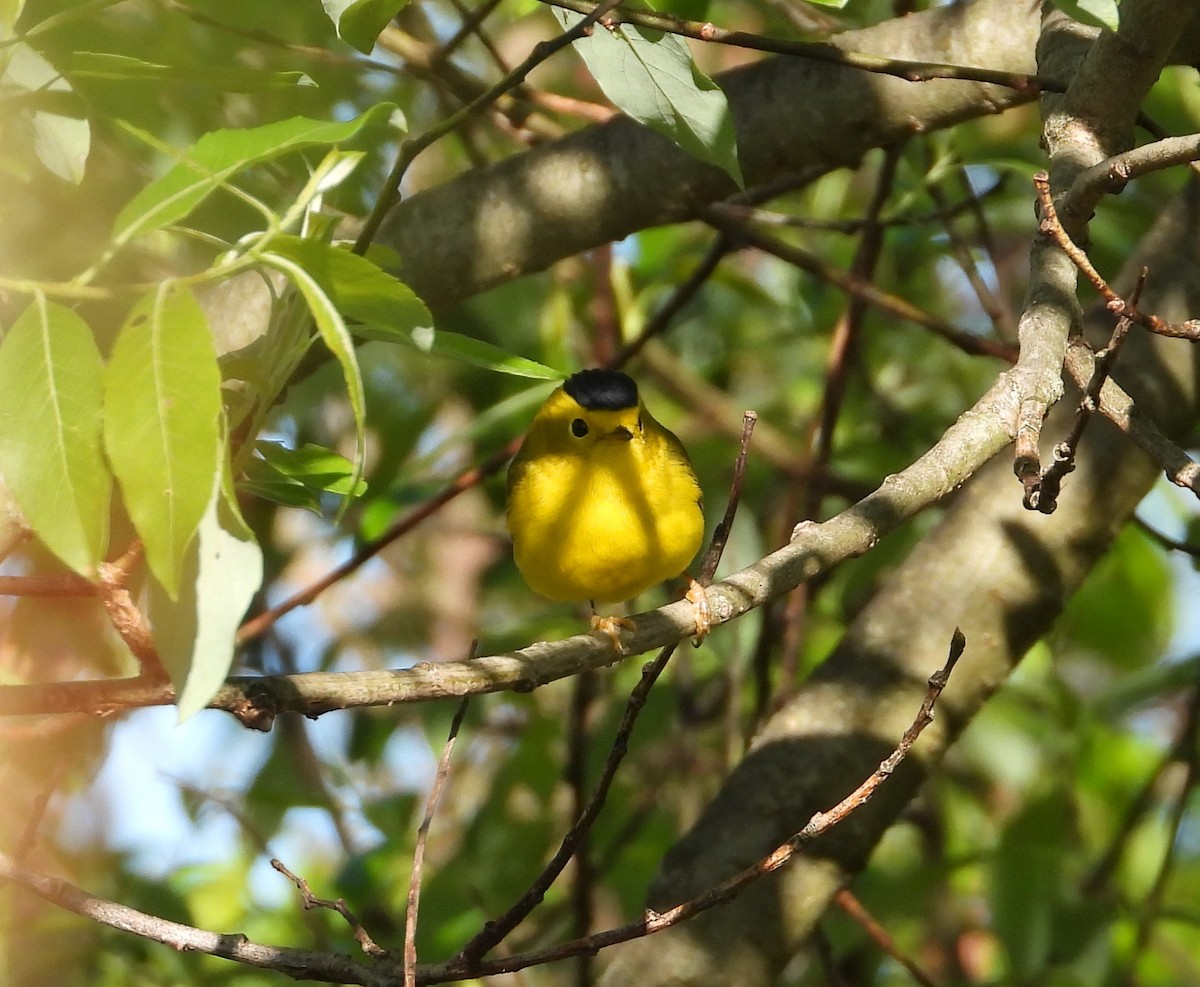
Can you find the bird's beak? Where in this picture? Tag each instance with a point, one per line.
(622, 433)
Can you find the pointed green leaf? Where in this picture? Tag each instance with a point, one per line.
(194, 633)
(162, 406)
(51, 397)
(478, 353)
(651, 77)
(298, 477)
(219, 155)
(359, 22)
(336, 336)
(107, 66)
(359, 289)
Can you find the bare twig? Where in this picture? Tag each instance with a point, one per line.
(414, 881)
(1112, 174)
(717, 216)
(258, 624)
(682, 294)
(1051, 225)
(124, 615)
(1118, 407)
(1166, 541)
(298, 963)
(369, 946)
(846, 900)
(1042, 496)
(653, 922)
(941, 214)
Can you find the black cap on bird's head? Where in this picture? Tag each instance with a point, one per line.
(602, 390)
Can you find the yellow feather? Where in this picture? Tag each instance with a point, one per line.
(604, 515)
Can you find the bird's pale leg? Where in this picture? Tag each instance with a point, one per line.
(611, 626)
(698, 598)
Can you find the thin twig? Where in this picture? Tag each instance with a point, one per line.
(1112, 174)
(123, 613)
(258, 624)
(298, 963)
(682, 294)
(368, 945)
(1052, 225)
(988, 300)
(1042, 496)
(414, 880)
(652, 922)
(575, 774)
(717, 216)
(1166, 541)
(1118, 407)
(846, 900)
(494, 931)
(764, 217)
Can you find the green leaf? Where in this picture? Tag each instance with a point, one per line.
(298, 477)
(336, 336)
(194, 631)
(162, 407)
(359, 288)
(479, 353)
(61, 140)
(1098, 13)
(51, 455)
(219, 155)
(388, 310)
(106, 66)
(359, 22)
(652, 78)
(1026, 883)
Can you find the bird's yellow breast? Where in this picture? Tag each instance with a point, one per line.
(606, 521)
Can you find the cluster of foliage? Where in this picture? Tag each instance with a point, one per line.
(164, 471)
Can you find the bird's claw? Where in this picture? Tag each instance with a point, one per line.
(698, 598)
(612, 626)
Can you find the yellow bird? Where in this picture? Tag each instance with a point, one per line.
(602, 500)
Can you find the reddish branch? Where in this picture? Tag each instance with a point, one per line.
(1051, 225)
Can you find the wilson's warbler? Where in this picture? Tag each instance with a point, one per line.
(602, 500)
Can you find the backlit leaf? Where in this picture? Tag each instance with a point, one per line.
(219, 155)
(50, 448)
(359, 22)
(194, 631)
(162, 407)
(333, 331)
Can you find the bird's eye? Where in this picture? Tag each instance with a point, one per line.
(579, 428)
